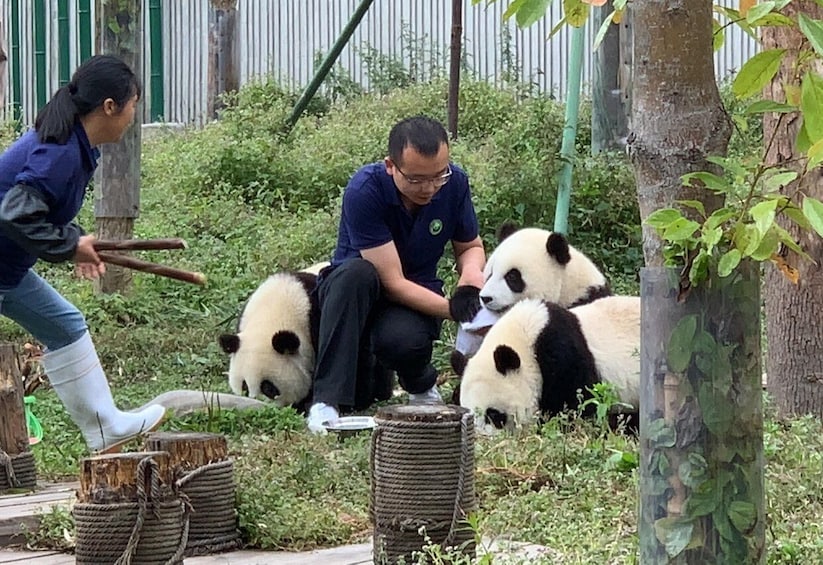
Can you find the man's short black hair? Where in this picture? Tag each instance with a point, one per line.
(424, 134)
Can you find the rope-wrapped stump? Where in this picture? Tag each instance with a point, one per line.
(127, 511)
(422, 465)
(205, 476)
(17, 469)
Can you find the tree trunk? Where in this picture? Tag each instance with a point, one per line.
(677, 117)
(117, 180)
(608, 112)
(224, 66)
(793, 312)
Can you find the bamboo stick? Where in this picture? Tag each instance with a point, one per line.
(139, 244)
(153, 268)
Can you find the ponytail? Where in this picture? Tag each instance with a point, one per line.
(99, 78)
(56, 119)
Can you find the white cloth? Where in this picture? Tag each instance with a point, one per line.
(470, 334)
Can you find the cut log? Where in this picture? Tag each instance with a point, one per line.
(112, 478)
(189, 450)
(14, 437)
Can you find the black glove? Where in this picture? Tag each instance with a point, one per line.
(464, 303)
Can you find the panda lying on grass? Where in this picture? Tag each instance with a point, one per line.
(540, 358)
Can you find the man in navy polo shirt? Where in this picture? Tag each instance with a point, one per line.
(381, 301)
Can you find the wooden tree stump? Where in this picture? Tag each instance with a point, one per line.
(17, 469)
(14, 437)
(189, 450)
(128, 512)
(107, 479)
(205, 475)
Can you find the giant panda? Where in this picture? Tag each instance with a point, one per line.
(273, 349)
(538, 355)
(536, 263)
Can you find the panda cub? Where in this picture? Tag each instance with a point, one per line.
(536, 263)
(273, 350)
(538, 355)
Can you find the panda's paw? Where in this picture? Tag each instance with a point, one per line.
(464, 303)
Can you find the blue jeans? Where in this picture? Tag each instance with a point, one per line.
(43, 312)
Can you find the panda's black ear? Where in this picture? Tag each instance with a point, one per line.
(458, 362)
(506, 359)
(229, 343)
(505, 230)
(558, 247)
(285, 342)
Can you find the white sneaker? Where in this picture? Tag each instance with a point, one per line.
(430, 397)
(321, 415)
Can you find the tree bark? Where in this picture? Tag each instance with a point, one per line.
(677, 116)
(117, 180)
(609, 123)
(794, 365)
(14, 437)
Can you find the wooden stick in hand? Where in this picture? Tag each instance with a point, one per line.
(153, 268)
(139, 244)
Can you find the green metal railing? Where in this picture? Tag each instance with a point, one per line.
(40, 53)
(64, 71)
(16, 80)
(84, 29)
(157, 92)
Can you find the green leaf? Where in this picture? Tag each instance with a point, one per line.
(731, 165)
(762, 106)
(719, 217)
(795, 214)
(513, 8)
(556, 28)
(728, 262)
(531, 11)
(813, 30)
(746, 238)
(695, 204)
(779, 180)
(787, 240)
(663, 218)
(718, 35)
(757, 72)
(815, 155)
(711, 237)
(802, 143)
(680, 229)
(767, 246)
(679, 351)
(773, 19)
(575, 12)
(758, 11)
(763, 215)
(674, 534)
(743, 516)
(604, 29)
(703, 501)
(813, 210)
(700, 268)
(717, 412)
(811, 104)
(709, 180)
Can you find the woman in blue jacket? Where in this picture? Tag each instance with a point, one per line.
(43, 179)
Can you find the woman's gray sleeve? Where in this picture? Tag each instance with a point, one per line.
(23, 220)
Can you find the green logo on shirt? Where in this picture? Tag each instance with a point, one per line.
(435, 227)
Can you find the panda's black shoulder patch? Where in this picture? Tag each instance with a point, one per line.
(593, 293)
(308, 280)
(565, 361)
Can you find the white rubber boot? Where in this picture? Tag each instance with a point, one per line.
(79, 381)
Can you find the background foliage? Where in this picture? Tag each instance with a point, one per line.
(251, 201)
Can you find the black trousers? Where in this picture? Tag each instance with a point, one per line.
(364, 337)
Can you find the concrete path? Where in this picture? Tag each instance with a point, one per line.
(346, 555)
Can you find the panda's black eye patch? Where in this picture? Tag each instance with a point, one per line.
(269, 390)
(496, 418)
(515, 281)
(285, 342)
(506, 359)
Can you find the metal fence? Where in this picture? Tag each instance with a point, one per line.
(46, 39)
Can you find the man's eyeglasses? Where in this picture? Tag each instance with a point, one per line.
(439, 180)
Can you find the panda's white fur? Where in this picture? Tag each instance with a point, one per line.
(273, 350)
(536, 263)
(537, 356)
